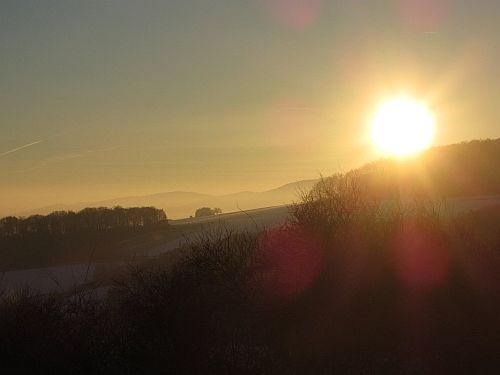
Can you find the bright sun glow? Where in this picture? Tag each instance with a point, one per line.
(403, 126)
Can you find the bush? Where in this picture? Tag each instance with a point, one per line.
(351, 284)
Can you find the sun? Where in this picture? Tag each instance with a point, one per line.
(403, 126)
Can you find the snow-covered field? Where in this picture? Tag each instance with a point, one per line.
(64, 277)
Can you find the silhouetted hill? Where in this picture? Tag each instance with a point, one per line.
(459, 170)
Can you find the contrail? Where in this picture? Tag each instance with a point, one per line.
(21, 147)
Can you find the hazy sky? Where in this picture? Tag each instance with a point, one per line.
(101, 99)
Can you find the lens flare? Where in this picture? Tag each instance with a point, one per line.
(291, 259)
(422, 15)
(296, 14)
(422, 257)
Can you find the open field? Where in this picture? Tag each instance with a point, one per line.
(183, 232)
(139, 248)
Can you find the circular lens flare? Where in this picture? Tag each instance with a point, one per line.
(403, 126)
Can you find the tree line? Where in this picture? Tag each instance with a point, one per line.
(88, 219)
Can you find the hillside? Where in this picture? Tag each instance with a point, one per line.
(467, 169)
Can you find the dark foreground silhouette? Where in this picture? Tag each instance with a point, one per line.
(349, 285)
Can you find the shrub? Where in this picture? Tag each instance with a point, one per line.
(352, 284)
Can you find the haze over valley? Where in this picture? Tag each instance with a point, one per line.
(179, 205)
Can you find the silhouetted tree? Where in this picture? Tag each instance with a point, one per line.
(206, 211)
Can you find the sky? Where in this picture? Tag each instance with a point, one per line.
(101, 99)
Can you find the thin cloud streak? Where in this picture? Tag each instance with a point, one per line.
(61, 158)
(21, 147)
(42, 140)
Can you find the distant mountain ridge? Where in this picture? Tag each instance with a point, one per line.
(181, 204)
(465, 169)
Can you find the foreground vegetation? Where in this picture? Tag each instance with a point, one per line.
(349, 285)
